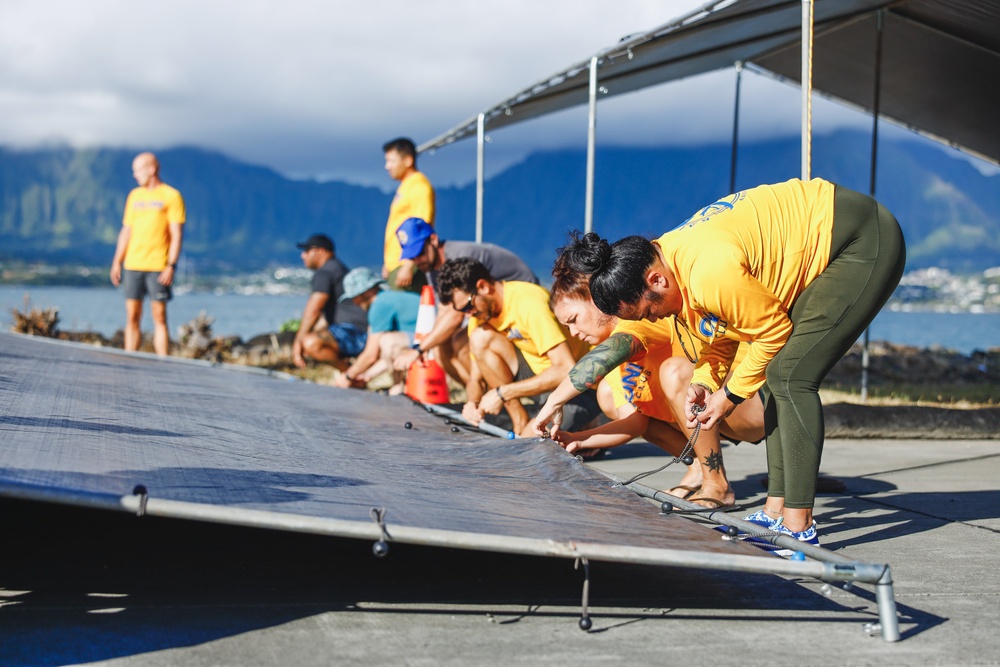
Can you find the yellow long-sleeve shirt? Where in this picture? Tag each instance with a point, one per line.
(741, 263)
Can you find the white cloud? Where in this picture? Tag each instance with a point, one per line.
(312, 88)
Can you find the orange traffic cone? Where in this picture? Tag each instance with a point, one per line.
(426, 382)
(425, 314)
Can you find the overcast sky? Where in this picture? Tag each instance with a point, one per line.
(312, 88)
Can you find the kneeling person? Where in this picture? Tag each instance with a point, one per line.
(518, 348)
(448, 339)
(392, 321)
(330, 332)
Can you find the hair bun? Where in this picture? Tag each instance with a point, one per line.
(587, 254)
(600, 247)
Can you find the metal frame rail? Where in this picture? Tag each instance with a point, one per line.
(828, 566)
(839, 568)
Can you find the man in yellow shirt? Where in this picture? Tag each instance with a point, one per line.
(799, 270)
(149, 246)
(518, 348)
(414, 198)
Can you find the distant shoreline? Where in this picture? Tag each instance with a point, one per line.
(247, 315)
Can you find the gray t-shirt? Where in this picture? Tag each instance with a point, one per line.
(500, 262)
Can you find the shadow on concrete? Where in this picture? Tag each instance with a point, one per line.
(81, 585)
(901, 514)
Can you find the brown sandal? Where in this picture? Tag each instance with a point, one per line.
(719, 506)
(691, 490)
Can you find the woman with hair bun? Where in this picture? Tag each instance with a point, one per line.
(799, 270)
(645, 367)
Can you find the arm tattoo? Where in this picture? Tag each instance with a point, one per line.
(600, 361)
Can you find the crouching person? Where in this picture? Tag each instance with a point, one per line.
(518, 348)
(392, 321)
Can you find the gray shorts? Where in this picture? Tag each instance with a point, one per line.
(140, 283)
(577, 413)
(523, 369)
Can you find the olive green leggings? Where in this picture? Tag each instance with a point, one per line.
(867, 254)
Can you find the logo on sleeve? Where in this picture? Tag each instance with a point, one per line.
(635, 383)
(710, 326)
(721, 206)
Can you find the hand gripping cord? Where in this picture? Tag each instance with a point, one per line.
(684, 456)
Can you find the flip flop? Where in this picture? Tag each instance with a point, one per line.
(691, 490)
(719, 506)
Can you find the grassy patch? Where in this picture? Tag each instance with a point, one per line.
(955, 395)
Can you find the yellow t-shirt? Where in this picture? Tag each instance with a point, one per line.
(414, 198)
(637, 382)
(741, 263)
(149, 212)
(528, 323)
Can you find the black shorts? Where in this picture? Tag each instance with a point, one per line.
(140, 283)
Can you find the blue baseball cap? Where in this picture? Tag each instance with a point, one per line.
(412, 235)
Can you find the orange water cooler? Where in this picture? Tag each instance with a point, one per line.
(425, 380)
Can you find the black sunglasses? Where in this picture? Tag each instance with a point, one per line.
(467, 308)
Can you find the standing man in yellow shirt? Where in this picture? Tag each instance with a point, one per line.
(149, 246)
(414, 198)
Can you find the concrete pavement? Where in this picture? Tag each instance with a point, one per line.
(85, 586)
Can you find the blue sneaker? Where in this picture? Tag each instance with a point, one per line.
(759, 518)
(807, 536)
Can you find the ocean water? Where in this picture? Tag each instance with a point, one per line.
(103, 310)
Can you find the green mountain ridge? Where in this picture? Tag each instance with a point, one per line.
(61, 205)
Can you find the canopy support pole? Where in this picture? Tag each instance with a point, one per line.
(480, 173)
(876, 100)
(588, 216)
(807, 38)
(736, 127)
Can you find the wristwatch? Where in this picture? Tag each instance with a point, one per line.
(733, 398)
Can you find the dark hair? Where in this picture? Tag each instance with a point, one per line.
(461, 273)
(617, 271)
(403, 146)
(566, 282)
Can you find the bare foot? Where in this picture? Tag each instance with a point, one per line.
(714, 496)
